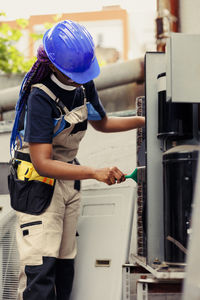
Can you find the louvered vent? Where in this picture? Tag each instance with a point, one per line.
(9, 261)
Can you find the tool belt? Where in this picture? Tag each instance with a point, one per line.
(29, 192)
(26, 170)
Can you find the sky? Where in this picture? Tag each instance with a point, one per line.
(25, 8)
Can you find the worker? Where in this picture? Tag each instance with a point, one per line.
(57, 98)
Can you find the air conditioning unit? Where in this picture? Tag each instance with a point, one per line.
(9, 257)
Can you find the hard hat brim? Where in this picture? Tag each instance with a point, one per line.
(83, 77)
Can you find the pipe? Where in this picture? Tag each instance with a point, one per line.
(114, 99)
(167, 21)
(112, 75)
(120, 73)
(8, 98)
(175, 11)
(121, 97)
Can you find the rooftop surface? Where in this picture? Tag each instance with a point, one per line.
(100, 150)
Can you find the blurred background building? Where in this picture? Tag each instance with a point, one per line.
(127, 28)
(122, 31)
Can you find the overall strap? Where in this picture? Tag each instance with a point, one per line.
(84, 93)
(52, 96)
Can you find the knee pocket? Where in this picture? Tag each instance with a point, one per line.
(31, 242)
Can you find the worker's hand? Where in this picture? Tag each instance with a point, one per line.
(110, 175)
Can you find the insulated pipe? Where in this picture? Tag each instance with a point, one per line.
(118, 98)
(121, 97)
(120, 74)
(8, 98)
(111, 76)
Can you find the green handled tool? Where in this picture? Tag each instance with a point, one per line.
(132, 175)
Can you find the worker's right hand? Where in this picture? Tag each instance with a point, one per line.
(110, 175)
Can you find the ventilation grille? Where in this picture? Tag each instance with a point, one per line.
(141, 186)
(9, 259)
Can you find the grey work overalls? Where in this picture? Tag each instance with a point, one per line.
(47, 242)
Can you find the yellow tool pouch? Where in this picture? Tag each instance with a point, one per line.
(26, 171)
(29, 192)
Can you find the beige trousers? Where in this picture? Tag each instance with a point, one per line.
(50, 234)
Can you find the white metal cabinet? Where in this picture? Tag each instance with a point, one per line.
(104, 229)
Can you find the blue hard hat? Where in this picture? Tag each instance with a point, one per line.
(70, 47)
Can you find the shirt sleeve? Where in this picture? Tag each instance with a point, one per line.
(39, 121)
(95, 108)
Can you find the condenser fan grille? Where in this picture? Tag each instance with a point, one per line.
(9, 269)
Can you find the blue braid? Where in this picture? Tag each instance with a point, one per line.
(19, 108)
(39, 70)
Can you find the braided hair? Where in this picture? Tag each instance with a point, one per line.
(39, 70)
